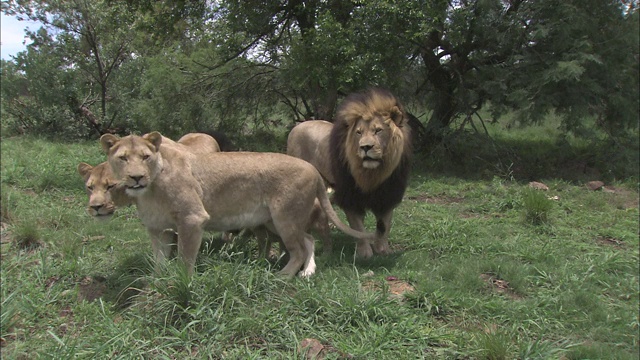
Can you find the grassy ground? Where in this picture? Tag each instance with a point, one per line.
(484, 267)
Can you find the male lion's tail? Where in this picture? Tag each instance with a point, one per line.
(321, 194)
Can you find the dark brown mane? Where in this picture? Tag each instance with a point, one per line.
(347, 194)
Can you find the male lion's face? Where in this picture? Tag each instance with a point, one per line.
(135, 160)
(99, 183)
(372, 135)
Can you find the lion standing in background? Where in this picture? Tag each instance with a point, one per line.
(365, 156)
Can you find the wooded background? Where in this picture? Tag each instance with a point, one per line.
(239, 65)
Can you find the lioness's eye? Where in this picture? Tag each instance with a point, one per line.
(145, 157)
(358, 132)
(377, 131)
(109, 187)
(123, 158)
(90, 188)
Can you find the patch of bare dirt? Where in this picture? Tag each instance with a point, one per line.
(397, 288)
(500, 286)
(313, 349)
(609, 241)
(90, 289)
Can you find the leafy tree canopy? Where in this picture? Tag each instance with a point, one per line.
(178, 65)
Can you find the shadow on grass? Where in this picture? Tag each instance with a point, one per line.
(128, 280)
(479, 157)
(344, 252)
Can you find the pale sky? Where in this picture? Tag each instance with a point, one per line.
(12, 35)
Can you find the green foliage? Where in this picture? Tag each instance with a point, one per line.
(536, 206)
(241, 66)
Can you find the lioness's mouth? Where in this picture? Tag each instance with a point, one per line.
(137, 186)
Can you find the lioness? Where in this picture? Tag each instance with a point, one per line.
(364, 155)
(219, 191)
(105, 195)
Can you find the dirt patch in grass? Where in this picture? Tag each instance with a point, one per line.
(314, 349)
(397, 288)
(500, 286)
(609, 241)
(90, 289)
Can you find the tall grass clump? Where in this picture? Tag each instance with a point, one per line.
(27, 236)
(536, 206)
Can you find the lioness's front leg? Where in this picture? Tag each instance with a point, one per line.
(383, 227)
(162, 243)
(356, 221)
(189, 240)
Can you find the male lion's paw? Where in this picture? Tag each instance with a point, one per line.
(381, 248)
(364, 251)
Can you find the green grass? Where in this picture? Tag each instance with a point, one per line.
(483, 268)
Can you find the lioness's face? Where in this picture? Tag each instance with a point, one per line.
(135, 160)
(372, 135)
(99, 183)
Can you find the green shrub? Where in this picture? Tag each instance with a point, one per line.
(536, 206)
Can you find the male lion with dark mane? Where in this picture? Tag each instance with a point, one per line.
(364, 155)
(176, 189)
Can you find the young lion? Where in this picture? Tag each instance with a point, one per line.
(220, 191)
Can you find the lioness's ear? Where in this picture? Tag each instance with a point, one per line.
(84, 169)
(154, 138)
(107, 141)
(397, 116)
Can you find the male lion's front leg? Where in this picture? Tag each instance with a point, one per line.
(383, 227)
(356, 221)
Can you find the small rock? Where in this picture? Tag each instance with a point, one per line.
(538, 186)
(313, 348)
(595, 185)
(367, 274)
(608, 189)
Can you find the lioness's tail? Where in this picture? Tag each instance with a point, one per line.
(321, 194)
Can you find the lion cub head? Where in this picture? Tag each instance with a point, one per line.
(100, 184)
(135, 160)
(376, 135)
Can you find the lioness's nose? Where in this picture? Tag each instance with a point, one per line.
(136, 178)
(96, 207)
(366, 148)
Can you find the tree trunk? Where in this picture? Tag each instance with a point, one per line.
(443, 85)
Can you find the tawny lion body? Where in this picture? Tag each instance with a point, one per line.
(364, 155)
(101, 185)
(220, 191)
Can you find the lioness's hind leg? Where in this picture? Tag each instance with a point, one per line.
(294, 242)
(310, 262)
